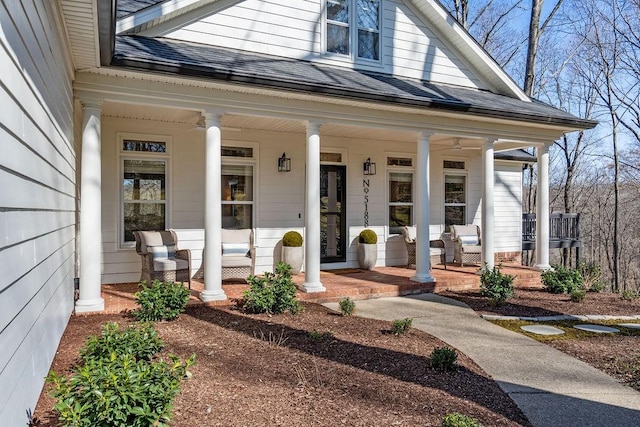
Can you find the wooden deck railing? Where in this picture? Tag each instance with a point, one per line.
(564, 230)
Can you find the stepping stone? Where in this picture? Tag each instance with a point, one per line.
(542, 330)
(630, 325)
(599, 329)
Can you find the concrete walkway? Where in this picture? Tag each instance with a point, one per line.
(550, 387)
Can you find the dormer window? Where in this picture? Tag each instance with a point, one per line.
(353, 26)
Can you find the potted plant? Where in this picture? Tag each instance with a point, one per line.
(292, 251)
(367, 249)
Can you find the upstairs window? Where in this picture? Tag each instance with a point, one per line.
(353, 27)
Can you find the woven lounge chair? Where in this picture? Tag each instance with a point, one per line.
(161, 258)
(238, 254)
(466, 244)
(436, 248)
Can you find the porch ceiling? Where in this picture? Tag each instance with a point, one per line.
(236, 122)
(233, 121)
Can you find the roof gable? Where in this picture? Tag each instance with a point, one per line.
(419, 39)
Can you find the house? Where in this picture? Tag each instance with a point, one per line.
(178, 113)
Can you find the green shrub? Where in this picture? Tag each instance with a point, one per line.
(629, 295)
(577, 295)
(562, 280)
(496, 285)
(401, 326)
(161, 301)
(456, 419)
(273, 294)
(292, 238)
(444, 359)
(118, 391)
(347, 306)
(591, 275)
(140, 341)
(368, 236)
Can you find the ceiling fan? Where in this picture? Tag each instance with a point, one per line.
(457, 146)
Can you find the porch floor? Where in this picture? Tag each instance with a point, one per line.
(354, 283)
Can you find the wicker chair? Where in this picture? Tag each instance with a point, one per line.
(161, 258)
(466, 244)
(238, 254)
(436, 248)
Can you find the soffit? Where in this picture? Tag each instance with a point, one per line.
(81, 27)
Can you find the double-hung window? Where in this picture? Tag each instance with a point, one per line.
(237, 187)
(353, 28)
(400, 193)
(455, 193)
(143, 188)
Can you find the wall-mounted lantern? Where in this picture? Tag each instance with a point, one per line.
(369, 168)
(284, 163)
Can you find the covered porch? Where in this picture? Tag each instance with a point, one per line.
(351, 282)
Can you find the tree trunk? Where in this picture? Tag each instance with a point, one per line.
(532, 47)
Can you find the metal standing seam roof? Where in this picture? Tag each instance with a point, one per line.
(223, 64)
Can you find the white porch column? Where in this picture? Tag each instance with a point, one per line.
(90, 298)
(487, 223)
(422, 203)
(542, 210)
(312, 212)
(212, 211)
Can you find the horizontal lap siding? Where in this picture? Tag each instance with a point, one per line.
(280, 28)
(411, 49)
(295, 30)
(37, 203)
(508, 207)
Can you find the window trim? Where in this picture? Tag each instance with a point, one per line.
(243, 161)
(455, 172)
(407, 169)
(353, 57)
(123, 155)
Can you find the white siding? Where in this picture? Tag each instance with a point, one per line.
(295, 30)
(508, 207)
(37, 202)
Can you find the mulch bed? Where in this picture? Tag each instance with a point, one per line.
(534, 303)
(316, 368)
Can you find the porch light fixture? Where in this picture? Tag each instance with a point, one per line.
(369, 168)
(284, 163)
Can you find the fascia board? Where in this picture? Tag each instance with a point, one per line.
(157, 14)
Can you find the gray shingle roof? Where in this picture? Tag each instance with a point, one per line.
(192, 59)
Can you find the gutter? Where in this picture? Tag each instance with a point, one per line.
(191, 70)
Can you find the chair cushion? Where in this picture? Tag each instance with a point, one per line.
(235, 249)
(473, 249)
(162, 251)
(155, 238)
(436, 251)
(410, 232)
(170, 264)
(468, 239)
(236, 236)
(236, 261)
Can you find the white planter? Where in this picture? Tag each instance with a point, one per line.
(294, 256)
(367, 255)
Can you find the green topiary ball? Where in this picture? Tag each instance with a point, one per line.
(368, 236)
(292, 238)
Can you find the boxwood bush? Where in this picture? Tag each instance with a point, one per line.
(160, 301)
(118, 382)
(274, 293)
(496, 285)
(139, 340)
(562, 280)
